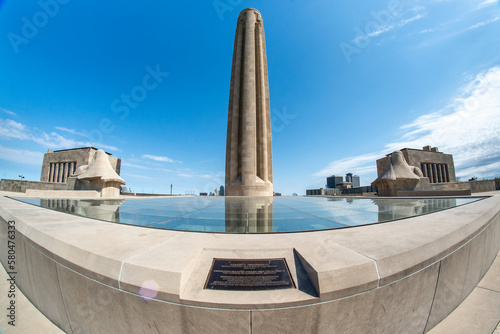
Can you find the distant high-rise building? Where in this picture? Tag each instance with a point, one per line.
(334, 181)
(354, 179)
(221, 191)
(348, 177)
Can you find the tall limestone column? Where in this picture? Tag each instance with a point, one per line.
(249, 170)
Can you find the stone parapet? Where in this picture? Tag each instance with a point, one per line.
(22, 185)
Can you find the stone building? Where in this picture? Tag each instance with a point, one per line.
(58, 166)
(426, 172)
(436, 166)
(315, 192)
(354, 179)
(334, 181)
(78, 172)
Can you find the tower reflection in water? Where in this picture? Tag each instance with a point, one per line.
(249, 214)
(241, 214)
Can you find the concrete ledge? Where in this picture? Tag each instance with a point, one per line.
(62, 193)
(402, 276)
(423, 193)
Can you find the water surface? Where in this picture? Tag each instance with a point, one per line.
(249, 214)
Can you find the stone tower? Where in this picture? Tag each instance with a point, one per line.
(249, 170)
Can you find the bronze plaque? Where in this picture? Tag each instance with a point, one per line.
(248, 275)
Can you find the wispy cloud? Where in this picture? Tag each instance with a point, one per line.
(182, 172)
(215, 176)
(8, 112)
(21, 156)
(204, 176)
(360, 165)
(402, 23)
(11, 129)
(159, 158)
(127, 164)
(70, 131)
(384, 28)
(481, 24)
(453, 28)
(137, 176)
(468, 128)
(418, 8)
(487, 2)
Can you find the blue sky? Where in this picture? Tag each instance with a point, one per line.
(349, 81)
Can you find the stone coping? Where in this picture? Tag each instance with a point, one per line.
(62, 193)
(326, 265)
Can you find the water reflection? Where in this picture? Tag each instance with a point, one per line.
(402, 208)
(102, 209)
(249, 215)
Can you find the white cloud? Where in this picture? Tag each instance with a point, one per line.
(8, 112)
(127, 164)
(481, 24)
(411, 19)
(11, 129)
(204, 176)
(21, 156)
(468, 128)
(184, 172)
(360, 165)
(487, 2)
(418, 8)
(100, 146)
(159, 158)
(388, 27)
(137, 176)
(70, 131)
(215, 176)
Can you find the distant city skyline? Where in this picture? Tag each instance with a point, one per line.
(349, 82)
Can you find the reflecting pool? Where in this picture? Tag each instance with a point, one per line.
(249, 214)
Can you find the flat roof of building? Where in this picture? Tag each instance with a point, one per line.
(80, 148)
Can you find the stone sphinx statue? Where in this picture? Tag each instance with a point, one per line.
(398, 175)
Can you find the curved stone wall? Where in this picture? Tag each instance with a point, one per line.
(402, 276)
